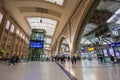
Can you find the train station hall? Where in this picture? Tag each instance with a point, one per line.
(59, 39)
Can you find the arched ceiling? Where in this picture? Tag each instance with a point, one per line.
(22, 9)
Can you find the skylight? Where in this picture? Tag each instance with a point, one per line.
(47, 24)
(89, 27)
(115, 17)
(58, 2)
(85, 41)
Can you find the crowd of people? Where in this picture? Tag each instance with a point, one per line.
(101, 59)
(74, 59)
(64, 59)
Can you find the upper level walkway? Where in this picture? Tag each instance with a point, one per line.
(84, 70)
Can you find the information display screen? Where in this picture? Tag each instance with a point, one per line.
(117, 52)
(36, 44)
(105, 52)
(111, 51)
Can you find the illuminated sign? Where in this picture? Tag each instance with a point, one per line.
(91, 49)
(114, 44)
(36, 44)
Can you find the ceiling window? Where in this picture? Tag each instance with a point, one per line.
(89, 27)
(115, 17)
(58, 2)
(12, 28)
(17, 31)
(47, 24)
(7, 24)
(1, 16)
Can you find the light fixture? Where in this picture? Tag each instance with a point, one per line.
(41, 16)
(41, 20)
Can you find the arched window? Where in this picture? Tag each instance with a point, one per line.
(1, 16)
(7, 24)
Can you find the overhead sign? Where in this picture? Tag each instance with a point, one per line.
(91, 49)
(115, 44)
(36, 44)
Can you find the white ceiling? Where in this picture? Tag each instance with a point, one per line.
(21, 9)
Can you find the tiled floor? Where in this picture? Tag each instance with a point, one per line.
(32, 71)
(92, 70)
(85, 70)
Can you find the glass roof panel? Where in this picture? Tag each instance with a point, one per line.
(47, 24)
(58, 2)
(118, 22)
(85, 41)
(89, 27)
(114, 17)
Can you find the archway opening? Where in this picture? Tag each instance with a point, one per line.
(64, 48)
(101, 31)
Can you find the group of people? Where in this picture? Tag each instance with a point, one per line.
(64, 59)
(102, 60)
(13, 59)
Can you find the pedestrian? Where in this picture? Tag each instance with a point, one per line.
(112, 60)
(12, 60)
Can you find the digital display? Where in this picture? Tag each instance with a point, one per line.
(117, 44)
(111, 51)
(105, 52)
(117, 52)
(36, 44)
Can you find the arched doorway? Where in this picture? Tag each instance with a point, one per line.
(64, 48)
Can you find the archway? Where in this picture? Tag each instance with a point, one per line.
(64, 49)
(101, 28)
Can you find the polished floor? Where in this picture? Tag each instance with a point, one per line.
(32, 71)
(84, 70)
(92, 70)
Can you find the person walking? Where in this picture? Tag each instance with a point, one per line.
(112, 60)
